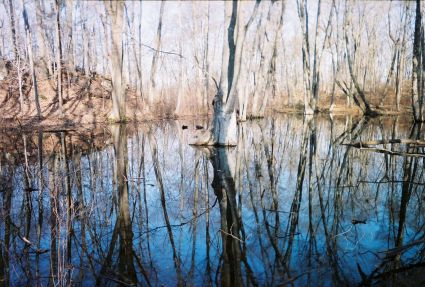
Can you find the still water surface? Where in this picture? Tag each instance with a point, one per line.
(290, 205)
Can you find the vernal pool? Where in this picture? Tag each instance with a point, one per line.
(290, 204)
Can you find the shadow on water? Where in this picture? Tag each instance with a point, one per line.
(299, 202)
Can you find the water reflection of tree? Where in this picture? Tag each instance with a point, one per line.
(123, 225)
(286, 196)
(160, 183)
(397, 269)
(7, 188)
(223, 162)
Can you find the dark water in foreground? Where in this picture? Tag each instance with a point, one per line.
(138, 206)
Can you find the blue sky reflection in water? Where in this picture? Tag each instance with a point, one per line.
(139, 206)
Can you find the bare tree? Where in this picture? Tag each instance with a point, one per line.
(268, 64)
(28, 40)
(154, 65)
(206, 66)
(359, 95)
(116, 12)
(417, 90)
(69, 28)
(312, 66)
(224, 129)
(86, 44)
(42, 41)
(58, 50)
(13, 27)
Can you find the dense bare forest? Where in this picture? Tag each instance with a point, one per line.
(88, 61)
(212, 143)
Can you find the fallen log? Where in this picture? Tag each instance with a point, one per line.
(384, 142)
(391, 152)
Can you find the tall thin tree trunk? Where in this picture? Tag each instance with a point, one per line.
(303, 15)
(271, 68)
(42, 41)
(180, 95)
(362, 103)
(69, 27)
(86, 47)
(140, 53)
(13, 28)
(28, 40)
(206, 65)
(154, 66)
(417, 93)
(58, 49)
(116, 12)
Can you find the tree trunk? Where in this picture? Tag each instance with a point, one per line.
(28, 40)
(270, 68)
(140, 78)
(417, 93)
(362, 103)
(42, 41)
(86, 48)
(224, 129)
(13, 28)
(69, 24)
(180, 95)
(58, 49)
(309, 107)
(206, 61)
(262, 74)
(116, 12)
(154, 65)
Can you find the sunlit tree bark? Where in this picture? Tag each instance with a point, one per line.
(224, 128)
(116, 12)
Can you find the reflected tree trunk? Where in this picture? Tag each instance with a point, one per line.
(160, 184)
(126, 253)
(224, 189)
(123, 226)
(5, 245)
(54, 228)
(223, 161)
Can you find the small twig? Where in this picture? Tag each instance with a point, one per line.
(342, 233)
(163, 52)
(231, 235)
